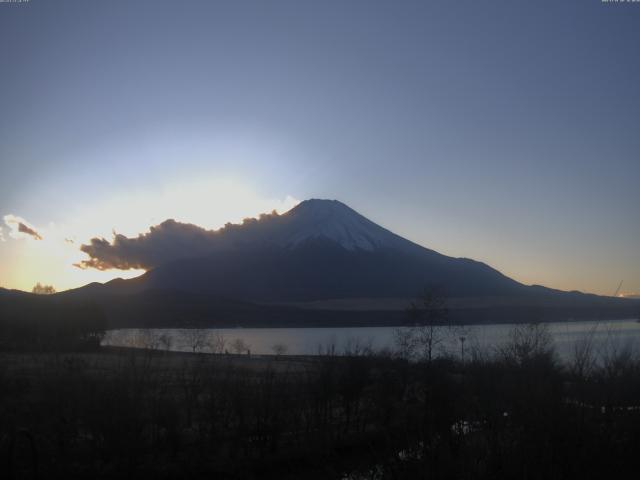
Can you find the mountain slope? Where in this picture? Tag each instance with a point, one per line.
(321, 249)
(320, 269)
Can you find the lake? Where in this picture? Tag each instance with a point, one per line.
(606, 336)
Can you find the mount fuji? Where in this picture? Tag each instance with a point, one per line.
(324, 256)
(320, 250)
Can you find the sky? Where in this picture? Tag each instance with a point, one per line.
(503, 131)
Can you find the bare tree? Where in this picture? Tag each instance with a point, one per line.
(356, 347)
(528, 343)
(165, 341)
(404, 341)
(196, 339)
(239, 346)
(430, 316)
(279, 349)
(583, 359)
(216, 342)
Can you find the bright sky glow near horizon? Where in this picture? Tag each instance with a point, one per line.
(503, 131)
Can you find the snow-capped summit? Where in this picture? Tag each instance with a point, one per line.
(332, 220)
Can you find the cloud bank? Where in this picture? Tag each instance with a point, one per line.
(165, 242)
(20, 228)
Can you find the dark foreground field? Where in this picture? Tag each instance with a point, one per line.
(151, 414)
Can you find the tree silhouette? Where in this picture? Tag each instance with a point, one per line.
(279, 349)
(40, 289)
(429, 313)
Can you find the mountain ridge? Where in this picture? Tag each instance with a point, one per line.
(320, 263)
(318, 250)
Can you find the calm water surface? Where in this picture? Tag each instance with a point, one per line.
(606, 336)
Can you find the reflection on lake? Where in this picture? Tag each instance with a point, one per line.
(605, 335)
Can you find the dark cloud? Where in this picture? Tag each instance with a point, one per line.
(22, 228)
(169, 241)
(163, 243)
